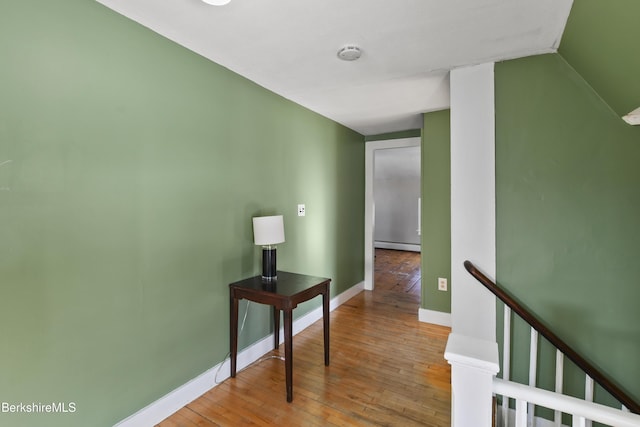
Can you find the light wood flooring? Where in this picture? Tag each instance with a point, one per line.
(387, 368)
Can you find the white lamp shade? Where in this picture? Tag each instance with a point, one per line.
(268, 230)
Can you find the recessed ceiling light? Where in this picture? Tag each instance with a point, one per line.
(216, 2)
(349, 52)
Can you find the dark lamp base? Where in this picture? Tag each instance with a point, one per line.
(269, 272)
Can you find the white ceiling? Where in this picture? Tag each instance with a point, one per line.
(409, 46)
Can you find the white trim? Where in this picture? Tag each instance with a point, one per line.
(567, 404)
(397, 246)
(474, 363)
(473, 236)
(369, 208)
(476, 353)
(538, 421)
(473, 201)
(435, 317)
(157, 411)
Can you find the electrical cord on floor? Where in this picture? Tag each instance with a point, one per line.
(244, 319)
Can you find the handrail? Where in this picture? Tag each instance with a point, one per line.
(566, 404)
(576, 358)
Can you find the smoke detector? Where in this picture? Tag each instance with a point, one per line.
(349, 52)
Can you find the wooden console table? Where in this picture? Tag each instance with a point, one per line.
(283, 294)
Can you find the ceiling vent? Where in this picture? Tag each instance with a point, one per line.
(349, 53)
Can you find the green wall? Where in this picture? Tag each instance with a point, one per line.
(130, 169)
(568, 216)
(436, 210)
(601, 42)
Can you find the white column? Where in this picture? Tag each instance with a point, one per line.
(474, 363)
(473, 223)
(472, 350)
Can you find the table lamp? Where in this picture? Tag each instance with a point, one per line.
(268, 231)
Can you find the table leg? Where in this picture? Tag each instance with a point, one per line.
(288, 353)
(233, 335)
(325, 318)
(276, 328)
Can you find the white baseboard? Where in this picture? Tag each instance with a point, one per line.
(191, 390)
(397, 246)
(436, 317)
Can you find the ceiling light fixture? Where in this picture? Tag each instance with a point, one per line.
(349, 52)
(216, 2)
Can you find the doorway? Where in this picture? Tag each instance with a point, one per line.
(371, 149)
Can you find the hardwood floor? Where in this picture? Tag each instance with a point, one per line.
(387, 368)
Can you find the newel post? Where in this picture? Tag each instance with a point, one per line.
(474, 363)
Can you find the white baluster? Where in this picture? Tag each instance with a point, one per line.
(579, 421)
(559, 384)
(588, 394)
(521, 413)
(506, 362)
(533, 367)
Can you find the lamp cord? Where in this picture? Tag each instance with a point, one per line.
(244, 319)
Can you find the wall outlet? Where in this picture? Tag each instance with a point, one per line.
(301, 210)
(442, 284)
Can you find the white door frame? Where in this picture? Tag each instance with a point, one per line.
(369, 207)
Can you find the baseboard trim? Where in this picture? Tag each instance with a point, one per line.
(191, 390)
(397, 246)
(436, 317)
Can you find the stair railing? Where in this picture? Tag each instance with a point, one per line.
(524, 416)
